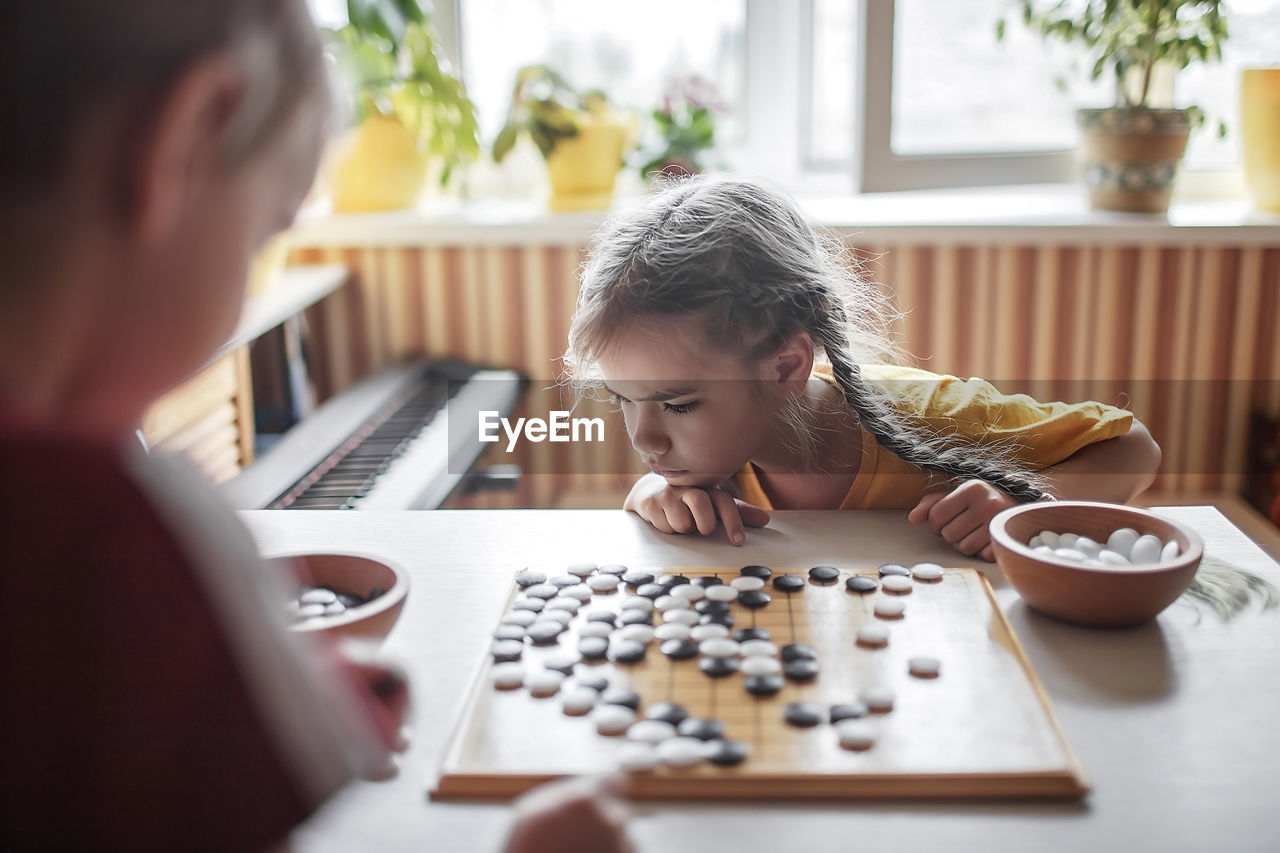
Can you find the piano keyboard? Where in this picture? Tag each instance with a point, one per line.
(384, 444)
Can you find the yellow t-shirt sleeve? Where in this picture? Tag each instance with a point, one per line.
(1040, 433)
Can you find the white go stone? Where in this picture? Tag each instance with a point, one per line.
(1048, 537)
(1146, 550)
(1169, 552)
(523, 618)
(1088, 547)
(877, 698)
(564, 617)
(581, 569)
(1121, 541)
(1035, 541)
(1043, 549)
(689, 592)
(1069, 554)
(680, 751)
(670, 602)
(722, 592)
(718, 647)
(636, 631)
(508, 676)
(651, 731)
(595, 629)
(926, 572)
(563, 602)
(637, 755)
(899, 584)
(1067, 540)
(603, 583)
(684, 617)
(1111, 558)
(671, 631)
(889, 608)
(544, 682)
(856, 734)
(747, 584)
(761, 665)
(636, 602)
(708, 632)
(873, 634)
(577, 701)
(757, 648)
(612, 719)
(923, 666)
(580, 591)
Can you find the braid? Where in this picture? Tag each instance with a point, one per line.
(909, 443)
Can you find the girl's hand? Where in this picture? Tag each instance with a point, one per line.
(962, 515)
(579, 815)
(685, 509)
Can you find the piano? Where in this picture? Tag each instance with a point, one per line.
(386, 443)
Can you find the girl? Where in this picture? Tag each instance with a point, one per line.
(152, 699)
(755, 371)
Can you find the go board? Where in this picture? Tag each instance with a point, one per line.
(981, 726)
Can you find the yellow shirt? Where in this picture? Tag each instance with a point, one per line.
(1042, 433)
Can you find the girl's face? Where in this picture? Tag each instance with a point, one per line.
(695, 414)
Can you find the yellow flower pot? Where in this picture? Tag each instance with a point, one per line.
(1260, 135)
(583, 168)
(377, 167)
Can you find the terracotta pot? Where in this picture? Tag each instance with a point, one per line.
(1131, 156)
(583, 168)
(1260, 135)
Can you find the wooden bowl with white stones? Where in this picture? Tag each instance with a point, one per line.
(357, 575)
(1095, 596)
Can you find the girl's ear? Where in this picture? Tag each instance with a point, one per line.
(792, 364)
(176, 151)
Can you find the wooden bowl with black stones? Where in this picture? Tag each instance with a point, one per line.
(380, 587)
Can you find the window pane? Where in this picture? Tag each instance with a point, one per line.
(956, 90)
(631, 52)
(832, 72)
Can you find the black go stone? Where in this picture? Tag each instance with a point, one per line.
(620, 696)
(702, 728)
(718, 667)
(668, 712)
(801, 670)
(348, 601)
(507, 650)
(529, 577)
(542, 590)
(533, 605)
(651, 590)
(762, 572)
(679, 649)
(706, 606)
(670, 582)
(613, 569)
(861, 584)
(592, 682)
(847, 711)
(824, 574)
(763, 685)
(743, 634)
(797, 651)
(627, 651)
(754, 598)
(788, 583)
(509, 632)
(607, 616)
(593, 648)
(636, 617)
(894, 569)
(544, 632)
(724, 619)
(706, 581)
(727, 753)
(803, 714)
(634, 579)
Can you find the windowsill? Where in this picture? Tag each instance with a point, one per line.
(1039, 214)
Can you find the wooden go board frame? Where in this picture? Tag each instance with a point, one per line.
(983, 728)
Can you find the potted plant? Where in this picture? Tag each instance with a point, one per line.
(685, 124)
(415, 119)
(581, 139)
(1131, 149)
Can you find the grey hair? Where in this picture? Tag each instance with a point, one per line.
(742, 259)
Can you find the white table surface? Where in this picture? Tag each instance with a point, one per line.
(1177, 722)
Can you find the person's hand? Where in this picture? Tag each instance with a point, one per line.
(385, 690)
(578, 815)
(962, 516)
(688, 509)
